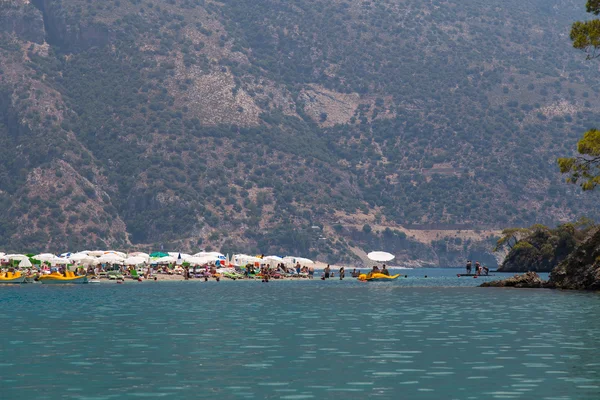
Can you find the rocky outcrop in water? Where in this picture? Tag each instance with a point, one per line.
(581, 270)
(527, 280)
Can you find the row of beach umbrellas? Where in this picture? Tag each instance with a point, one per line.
(139, 258)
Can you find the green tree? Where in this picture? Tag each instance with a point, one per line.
(510, 237)
(584, 169)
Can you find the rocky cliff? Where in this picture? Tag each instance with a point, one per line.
(581, 270)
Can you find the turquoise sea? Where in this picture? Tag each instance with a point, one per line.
(414, 338)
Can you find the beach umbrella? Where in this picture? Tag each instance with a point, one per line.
(110, 258)
(25, 263)
(273, 258)
(118, 253)
(184, 256)
(96, 253)
(59, 261)
(19, 257)
(158, 254)
(86, 261)
(145, 256)
(303, 260)
(244, 259)
(380, 256)
(134, 261)
(164, 260)
(78, 256)
(44, 257)
(220, 256)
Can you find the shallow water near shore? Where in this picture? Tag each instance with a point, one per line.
(416, 338)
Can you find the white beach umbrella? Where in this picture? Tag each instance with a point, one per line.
(243, 259)
(210, 253)
(165, 260)
(273, 258)
(145, 256)
(110, 258)
(380, 256)
(134, 261)
(87, 261)
(118, 253)
(205, 260)
(176, 254)
(45, 257)
(25, 263)
(303, 261)
(78, 257)
(59, 261)
(195, 261)
(20, 257)
(96, 253)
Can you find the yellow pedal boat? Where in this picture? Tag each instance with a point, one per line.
(377, 277)
(68, 278)
(12, 277)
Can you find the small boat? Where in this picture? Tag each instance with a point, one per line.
(68, 278)
(377, 277)
(11, 277)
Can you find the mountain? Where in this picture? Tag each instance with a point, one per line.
(318, 127)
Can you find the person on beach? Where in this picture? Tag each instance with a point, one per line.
(311, 272)
(469, 268)
(477, 268)
(342, 273)
(327, 271)
(354, 273)
(385, 271)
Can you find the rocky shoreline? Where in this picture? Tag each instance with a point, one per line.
(579, 271)
(527, 280)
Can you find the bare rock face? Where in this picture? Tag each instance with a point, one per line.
(328, 107)
(581, 270)
(20, 18)
(527, 280)
(70, 34)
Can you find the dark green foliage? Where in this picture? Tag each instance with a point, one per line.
(544, 248)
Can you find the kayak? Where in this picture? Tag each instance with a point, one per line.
(57, 278)
(12, 277)
(377, 277)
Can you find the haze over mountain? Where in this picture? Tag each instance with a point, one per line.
(314, 127)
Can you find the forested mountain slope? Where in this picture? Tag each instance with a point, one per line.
(241, 124)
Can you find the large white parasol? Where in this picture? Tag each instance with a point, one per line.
(380, 256)
(44, 257)
(25, 263)
(76, 257)
(302, 260)
(110, 258)
(134, 261)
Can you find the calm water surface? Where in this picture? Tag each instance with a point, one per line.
(415, 338)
